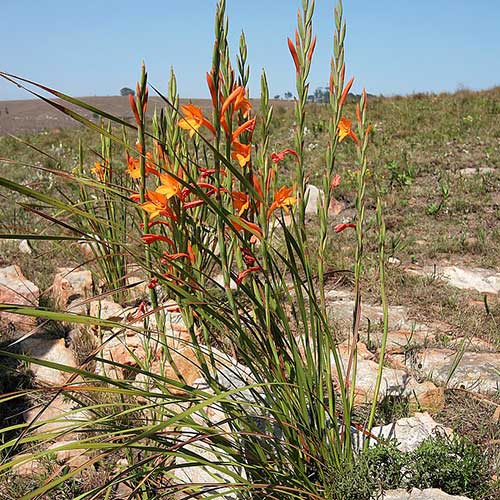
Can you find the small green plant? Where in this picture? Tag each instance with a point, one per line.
(400, 175)
(435, 208)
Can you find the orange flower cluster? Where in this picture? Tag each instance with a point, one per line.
(237, 101)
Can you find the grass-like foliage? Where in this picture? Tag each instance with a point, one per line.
(202, 195)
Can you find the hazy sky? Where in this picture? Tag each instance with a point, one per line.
(95, 47)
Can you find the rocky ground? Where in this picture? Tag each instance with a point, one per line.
(419, 367)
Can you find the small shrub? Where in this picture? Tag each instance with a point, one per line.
(451, 464)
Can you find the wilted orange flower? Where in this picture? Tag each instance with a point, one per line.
(345, 130)
(193, 119)
(277, 157)
(282, 199)
(241, 152)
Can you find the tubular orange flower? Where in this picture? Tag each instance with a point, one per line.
(191, 254)
(344, 130)
(243, 274)
(211, 87)
(282, 199)
(134, 167)
(343, 97)
(133, 106)
(240, 103)
(151, 238)
(193, 119)
(311, 49)
(248, 126)
(240, 223)
(241, 152)
(295, 57)
(340, 227)
(335, 181)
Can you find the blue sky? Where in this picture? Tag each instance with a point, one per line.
(95, 47)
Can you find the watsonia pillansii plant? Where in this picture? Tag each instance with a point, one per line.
(221, 232)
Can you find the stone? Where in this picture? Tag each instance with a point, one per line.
(470, 171)
(476, 371)
(186, 371)
(479, 279)
(66, 453)
(16, 289)
(106, 309)
(313, 196)
(53, 350)
(71, 286)
(409, 432)
(60, 416)
(194, 477)
(24, 247)
(340, 306)
(25, 466)
(394, 382)
(416, 494)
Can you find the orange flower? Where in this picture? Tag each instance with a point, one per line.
(98, 170)
(193, 119)
(169, 186)
(345, 130)
(157, 205)
(241, 152)
(282, 199)
(241, 202)
(134, 167)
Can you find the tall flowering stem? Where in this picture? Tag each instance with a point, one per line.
(362, 146)
(139, 107)
(301, 50)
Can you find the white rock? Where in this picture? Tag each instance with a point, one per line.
(70, 286)
(61, 416)
(24, 247)
(313, 195)
(416, 494)
(479, 279)
(53, 350)
(477, 371)
(409, 432)
(469, 171)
